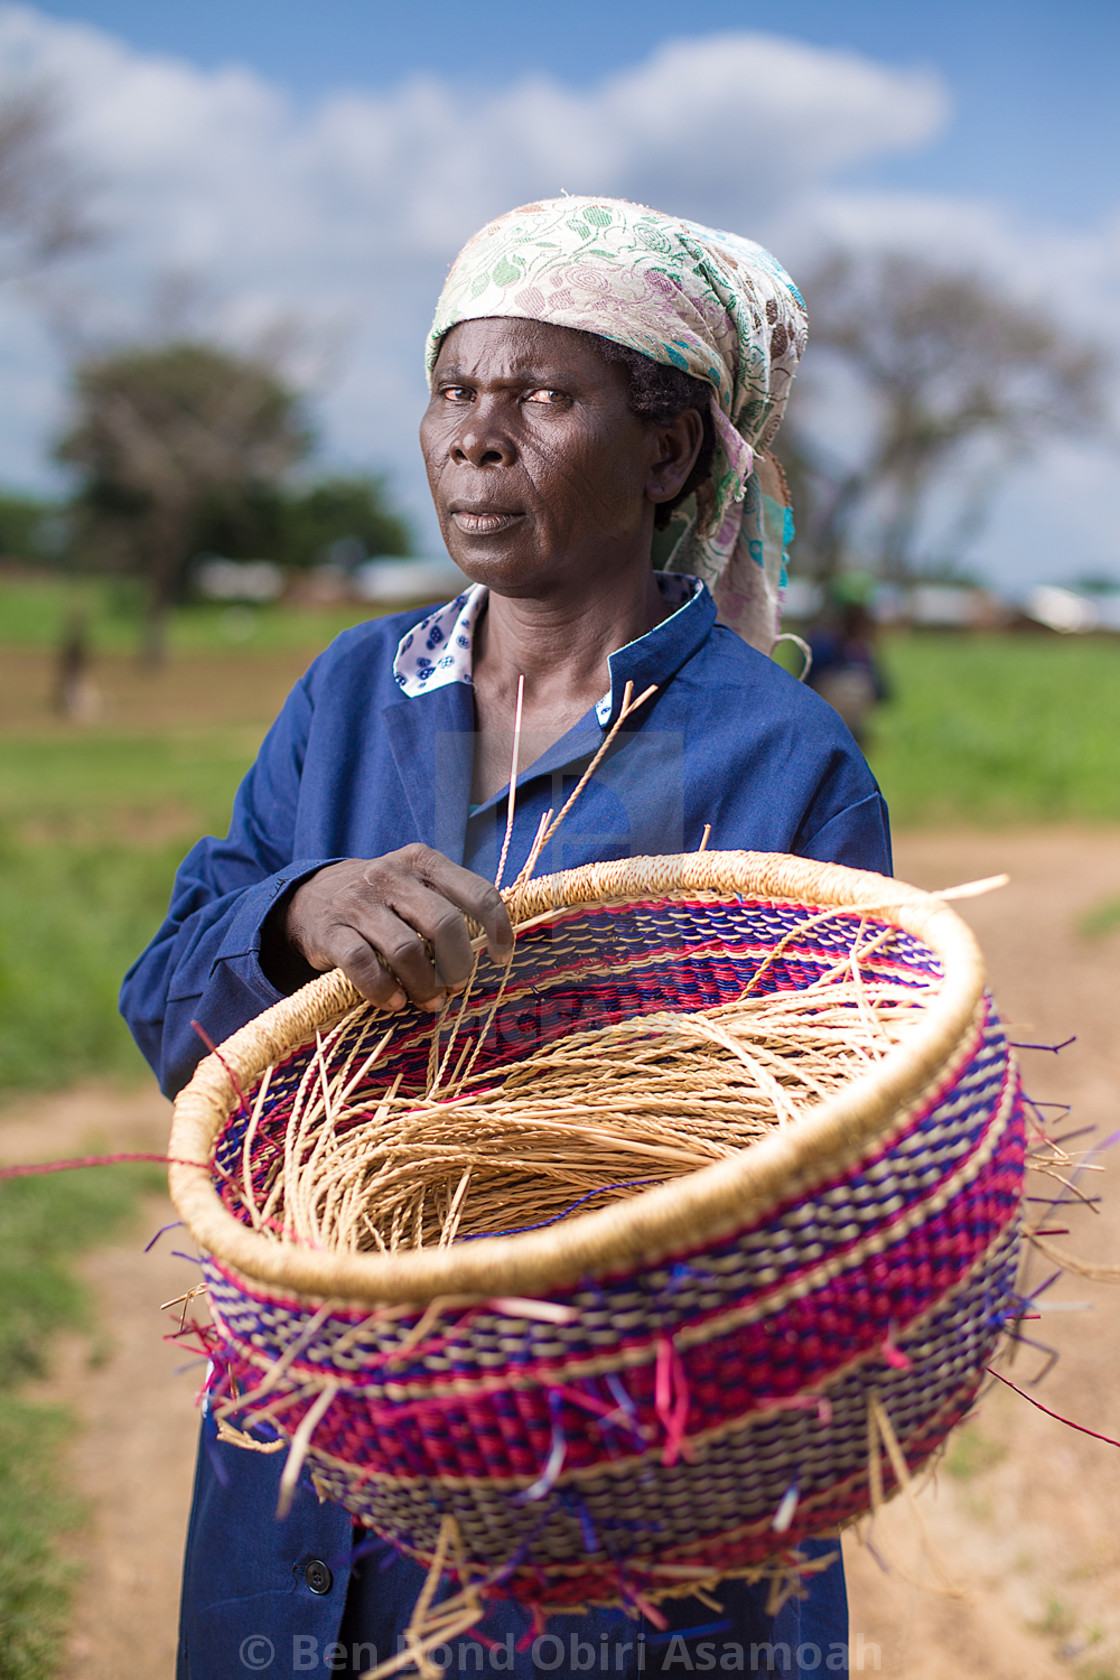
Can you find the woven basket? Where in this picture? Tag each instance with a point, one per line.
(712, 1354)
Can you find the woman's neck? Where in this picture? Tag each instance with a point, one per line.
(560, 646)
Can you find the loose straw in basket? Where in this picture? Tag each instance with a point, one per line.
(592, 1117)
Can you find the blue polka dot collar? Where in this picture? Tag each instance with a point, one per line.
(437, 651)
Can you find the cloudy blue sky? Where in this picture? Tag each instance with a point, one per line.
(322, 162)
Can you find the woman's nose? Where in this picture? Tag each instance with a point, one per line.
(481, 440)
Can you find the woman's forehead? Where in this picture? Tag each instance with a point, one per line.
(514, 345)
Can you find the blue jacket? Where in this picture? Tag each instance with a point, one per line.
(353, 768)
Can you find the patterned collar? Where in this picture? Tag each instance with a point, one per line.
(438, 649)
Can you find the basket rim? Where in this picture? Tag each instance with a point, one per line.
(703, 1205)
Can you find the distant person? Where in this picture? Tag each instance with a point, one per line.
(846, 670)
(75, 695)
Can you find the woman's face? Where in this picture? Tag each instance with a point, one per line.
(540, 473)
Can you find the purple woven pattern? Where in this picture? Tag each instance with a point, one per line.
(776, 1300)
(684, 1398)
(719, 1506)
(478, 1398)
(882, 1223)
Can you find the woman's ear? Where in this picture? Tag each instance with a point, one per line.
(678, 445)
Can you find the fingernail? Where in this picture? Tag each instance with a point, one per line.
(434, 1005)
(396, 1002)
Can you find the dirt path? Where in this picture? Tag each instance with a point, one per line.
(1023, 1513)
(1027, 1522)
(134, 1457)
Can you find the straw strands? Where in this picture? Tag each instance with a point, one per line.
(810, 1072)
(579, 1123)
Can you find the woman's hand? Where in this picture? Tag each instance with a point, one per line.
(394, 925)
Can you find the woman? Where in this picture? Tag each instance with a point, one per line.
(594, 365)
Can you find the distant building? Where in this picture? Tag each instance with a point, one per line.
(250, 582)
(1073, 612)
(953, 606)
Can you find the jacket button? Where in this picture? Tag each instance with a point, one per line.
(318, 1576)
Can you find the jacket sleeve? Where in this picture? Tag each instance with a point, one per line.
(204, 963)
(858, 836)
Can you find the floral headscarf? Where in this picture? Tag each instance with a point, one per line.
(715, 305)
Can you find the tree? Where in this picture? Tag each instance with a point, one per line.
(949, 380)
(301, 527)
(43, 192)
(30, 529)
(160, 437)
(354, 509)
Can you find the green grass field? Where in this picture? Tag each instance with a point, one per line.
(72, 917)
(36, 610)
(115, 784)
(1000, 729)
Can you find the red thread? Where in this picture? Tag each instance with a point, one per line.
(214, 1051)
(1080, 1427)
(894, 1356)
(536, 1628)
(591, 1403)
(651, 1613)
(33, 1169)
(672, 1410)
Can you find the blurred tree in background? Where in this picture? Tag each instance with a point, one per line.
(350, 510)
(163, 438)
(43, 191)
(924, 384)
(339, 517)
(31, 529)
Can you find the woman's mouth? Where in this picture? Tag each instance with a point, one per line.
(483, 522)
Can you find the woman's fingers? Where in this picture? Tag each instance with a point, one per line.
(471, 894)
(345, 948)
(385, 957)
(395, 925)
(424, 939)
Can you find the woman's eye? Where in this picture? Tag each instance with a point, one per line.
(455, 393)
(547, 396)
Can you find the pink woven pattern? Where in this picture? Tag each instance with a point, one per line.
(714, 1510)
(663, 1425)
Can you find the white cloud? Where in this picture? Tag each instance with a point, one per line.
(733, 123)
(346, 214)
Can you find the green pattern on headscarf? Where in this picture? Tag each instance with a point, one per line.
(715, 305)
